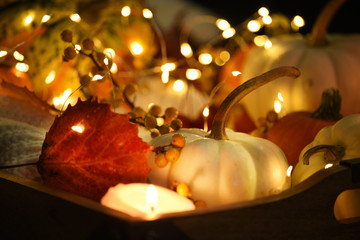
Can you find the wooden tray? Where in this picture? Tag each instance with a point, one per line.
(30, 210)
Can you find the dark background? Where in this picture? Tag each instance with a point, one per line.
(347, 19)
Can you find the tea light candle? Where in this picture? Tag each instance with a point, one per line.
(145, 200)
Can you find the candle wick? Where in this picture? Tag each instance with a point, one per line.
(152, 208)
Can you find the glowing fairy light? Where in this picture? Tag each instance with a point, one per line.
(260, 40)
(289, 170)
(79, 128)
(136, 48)
(50, 77)
(97, 77)
(205, 58)
(110, 52)
(329, 165)
(160, 121)
(280, 97)
(75, 17)
(278, 103)
(114, 68)
(179, 85)
(263, 11)
(28, 20)
(224, 56)
(45, 18)
(228, 33)
(193, 74)
(298, 21)
(18, 56)
(147, 13)
(206, 113)
(150, 105)
(57, 101)
(222, 24)
(3, 53)
(267, 20)
(165, 76)
(77, 48)
(236, 73)
(126, 11)
(186, 50)
(268, 44)
(254, 26)
(22, 67)
(168, 67)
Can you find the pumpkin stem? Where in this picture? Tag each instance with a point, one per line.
(332, 153)
(218, 125)
(329, 108)
(318, 32)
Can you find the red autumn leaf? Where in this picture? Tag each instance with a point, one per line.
(107, 152)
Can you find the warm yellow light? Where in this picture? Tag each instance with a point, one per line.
(267, 19)
(277, 106)
(22, 67)
(205, 58)
(165, 77)
(298, 21)
(206, 111)
(260, 40)
(75, 17)
(289, 170)
(186, 50)
(160, 121)
(114, 68)
(50, 77)
(136, 48)
(77, 48)
(150, 105)
(228, 33)
(224, 55)
(3, 53)
(61, 100)
(18, 56)
(168, 67)
(193, 74)
(254, 26)
(45, 18)
(126, 11)
(268, 44)
(263, 11)
(236, 73)
(178, 85)
(329, 165)
(222, 24)
(147, 13)
(28, 20)
(110, 52)
(280, 97)
(79, 128)
(151, 196)
(97, 77)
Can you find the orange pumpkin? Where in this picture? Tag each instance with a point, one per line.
(297, 129)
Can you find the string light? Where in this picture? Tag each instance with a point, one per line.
(18, 56)
(329, 165)
(57, 101)
(79, 128)
(205, 58)
(267, 20)
(22, 67)
(254, 26)
(136, 48)
(260, 40)
(228, 33)
(268, 44)
(186, 50)
(193, 74)
(236, 73)
(179, 85)
(126, 11)
(147, 13)
(77, 48)
(97, 77)
(263, 11)
(222, 24)
(28, 20)
(114, 68)
(168, 67)
(50, 77)
(297, 22)
(165, 77)
(75, 17)
(45, 18)
(3, 53)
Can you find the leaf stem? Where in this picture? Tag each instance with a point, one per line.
(218, 125)
(19, 165)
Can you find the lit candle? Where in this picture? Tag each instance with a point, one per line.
(145, 200)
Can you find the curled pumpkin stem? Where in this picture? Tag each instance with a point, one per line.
(219, 121)
(332, 153)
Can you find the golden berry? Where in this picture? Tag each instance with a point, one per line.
(155, 110)
(88, 44)
(139, 112)
(160, 160)
(183, 190)
(172, 154)
(164, 129)
(69, 53)
(150, 122)
(66, 35)
(178, 140)
(171, 113)
(176, 124)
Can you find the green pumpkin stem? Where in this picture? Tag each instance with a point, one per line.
(219, 121)
(318, 31)
(329, 108)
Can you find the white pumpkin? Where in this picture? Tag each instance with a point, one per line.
(332, 144)
(225, 166)
(325, 61)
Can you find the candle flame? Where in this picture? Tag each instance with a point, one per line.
(151, 197)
